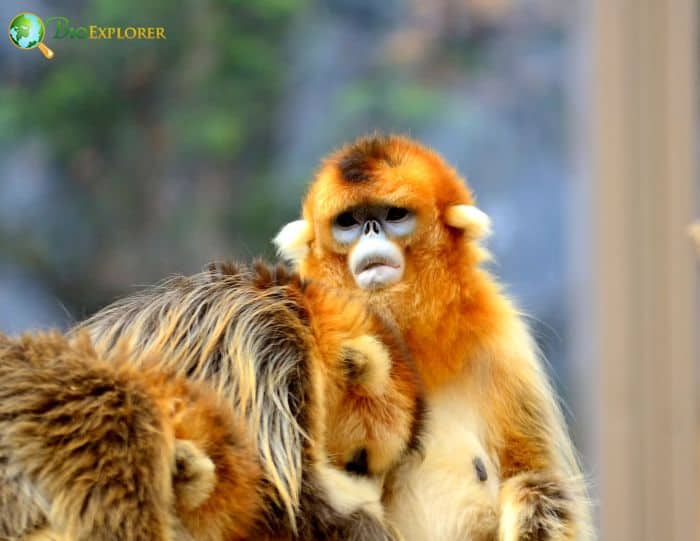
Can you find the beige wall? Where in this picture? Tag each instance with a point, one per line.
(637, 320)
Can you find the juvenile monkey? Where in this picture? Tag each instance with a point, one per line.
(102, 451)
(325, 385)
(388, 218)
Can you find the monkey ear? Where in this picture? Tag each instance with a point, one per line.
(293, 240)
(367, 364)
(475, 223)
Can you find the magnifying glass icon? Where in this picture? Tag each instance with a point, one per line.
(26, 31)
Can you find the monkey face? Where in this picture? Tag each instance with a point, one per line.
(375, 259)
(381, 211)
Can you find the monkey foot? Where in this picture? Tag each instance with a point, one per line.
(537, 506)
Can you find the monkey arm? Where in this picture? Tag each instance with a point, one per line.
(85, 438)
(542, 487)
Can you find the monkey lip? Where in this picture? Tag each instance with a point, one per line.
(375, 262)
(377, 271)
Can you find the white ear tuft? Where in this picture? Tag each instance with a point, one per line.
(475, 223)
(293, 240)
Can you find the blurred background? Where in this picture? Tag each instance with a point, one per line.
(574, 122)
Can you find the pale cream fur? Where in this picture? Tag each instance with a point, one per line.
(510, 518)
(373, 362)
(293, 240)
(441, 480)
(475, 222)
(44, 535)
(349, 493)
(199, 469)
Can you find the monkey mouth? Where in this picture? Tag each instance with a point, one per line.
(375, 262)
(376, 271)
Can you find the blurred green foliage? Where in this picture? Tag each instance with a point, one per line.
(146, 158)
(150, 142)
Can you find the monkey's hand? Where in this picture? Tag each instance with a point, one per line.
(343, 507)
(537, 505)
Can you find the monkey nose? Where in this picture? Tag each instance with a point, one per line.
(371, 227)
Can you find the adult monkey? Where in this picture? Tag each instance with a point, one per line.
(390, 217)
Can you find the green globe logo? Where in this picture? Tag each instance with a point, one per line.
(27, 31)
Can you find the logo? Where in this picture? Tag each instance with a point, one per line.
(26, 31)
(95, 31)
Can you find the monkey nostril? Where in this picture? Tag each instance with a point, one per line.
(371, 227)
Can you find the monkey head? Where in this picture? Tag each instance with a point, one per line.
(379, 212)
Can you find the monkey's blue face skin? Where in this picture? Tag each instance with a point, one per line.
(375, 260)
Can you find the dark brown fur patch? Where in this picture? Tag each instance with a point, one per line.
(358, 463)
(415, 442)
(480, 468)
(354, 370)
(550, 508)
(357, 164)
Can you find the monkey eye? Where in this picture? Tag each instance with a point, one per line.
(396, 214)
(345, 220)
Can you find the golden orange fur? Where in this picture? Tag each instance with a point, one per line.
(472, 348)
(96, 450)
(355, 417)
(324, 384)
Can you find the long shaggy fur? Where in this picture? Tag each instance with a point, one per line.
(276, 349)
(248, 343)
(96, 450)
(474, 351)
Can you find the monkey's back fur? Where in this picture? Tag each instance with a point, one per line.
(277, 349)
(100, 451)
